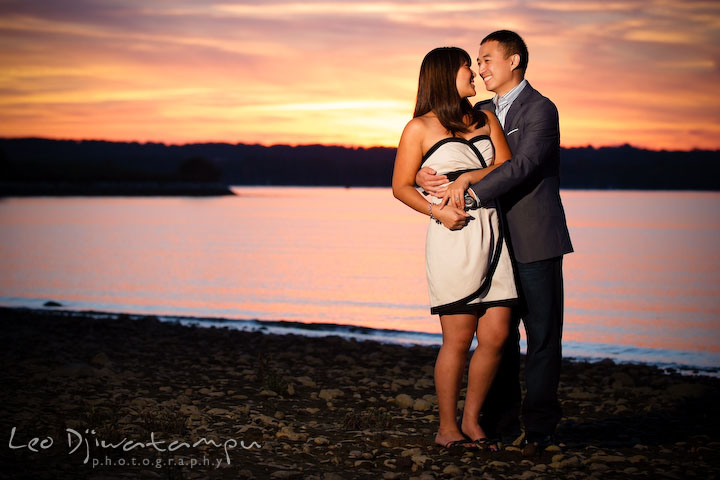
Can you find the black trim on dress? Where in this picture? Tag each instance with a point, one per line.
(469, 142)
(478, 309)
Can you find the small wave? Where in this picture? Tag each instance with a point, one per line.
(686, 362)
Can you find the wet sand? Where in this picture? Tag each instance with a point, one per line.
(139, 398)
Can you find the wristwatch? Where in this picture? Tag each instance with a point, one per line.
(470, 202)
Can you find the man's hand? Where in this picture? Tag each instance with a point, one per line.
(429, 181)
(452, 218)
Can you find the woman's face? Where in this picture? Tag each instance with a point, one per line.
(465, 81)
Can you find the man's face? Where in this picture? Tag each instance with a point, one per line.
(495, 69)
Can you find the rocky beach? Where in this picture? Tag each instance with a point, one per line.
(134, 397)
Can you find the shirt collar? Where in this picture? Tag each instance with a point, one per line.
(509, 97)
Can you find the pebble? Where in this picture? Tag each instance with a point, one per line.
(409, 452)
(424, 383)
(281, 474)
(621, 409)
(263, 419)
(404, 401)
(605, 459)
(321, 440)
(571, 462)
(306, 382)
(330, 393)
(189, 409)
(218, 411)
(420, 460)
(290, 434)
(453, 470)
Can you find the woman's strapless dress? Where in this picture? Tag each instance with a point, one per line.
(470, 269)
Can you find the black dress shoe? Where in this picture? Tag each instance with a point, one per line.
(536, 443)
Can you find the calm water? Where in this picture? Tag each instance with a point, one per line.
(643, 284)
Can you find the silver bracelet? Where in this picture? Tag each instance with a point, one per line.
(431, 214)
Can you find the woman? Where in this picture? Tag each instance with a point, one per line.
(469, 271)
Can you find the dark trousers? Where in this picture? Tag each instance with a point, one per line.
(541, 311)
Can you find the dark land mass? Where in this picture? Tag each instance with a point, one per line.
(33, 165)
(308, 408)
(125, 189)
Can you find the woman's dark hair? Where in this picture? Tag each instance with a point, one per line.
(437, 91)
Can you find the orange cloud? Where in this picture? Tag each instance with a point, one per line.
(345, 72)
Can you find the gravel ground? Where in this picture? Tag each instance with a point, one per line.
(139, 398)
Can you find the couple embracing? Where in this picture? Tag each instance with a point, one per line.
(488, 178)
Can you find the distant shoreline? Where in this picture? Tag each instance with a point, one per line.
(174, 189)
(45, 160)
(66, 189)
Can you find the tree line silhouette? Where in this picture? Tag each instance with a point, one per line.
(28, 161)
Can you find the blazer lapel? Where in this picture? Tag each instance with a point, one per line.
(517, 106)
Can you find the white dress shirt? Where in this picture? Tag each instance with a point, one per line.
(503, 103)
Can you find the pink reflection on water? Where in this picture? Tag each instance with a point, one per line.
(645, 271)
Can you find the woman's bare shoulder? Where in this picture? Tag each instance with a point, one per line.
(421, 126)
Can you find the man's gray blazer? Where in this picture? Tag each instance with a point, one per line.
(528, 184)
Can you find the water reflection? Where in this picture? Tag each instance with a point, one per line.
(646, 272)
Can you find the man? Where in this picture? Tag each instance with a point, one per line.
(528, 187)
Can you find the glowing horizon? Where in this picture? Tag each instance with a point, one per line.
(643, 73)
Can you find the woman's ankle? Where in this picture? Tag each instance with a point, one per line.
(472, 429)
(449, 429)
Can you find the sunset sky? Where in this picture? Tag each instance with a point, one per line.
(644, 72)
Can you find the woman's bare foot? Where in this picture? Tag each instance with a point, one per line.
(455, 437)
(472, 430)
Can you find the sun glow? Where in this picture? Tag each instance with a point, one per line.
(346, 72)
